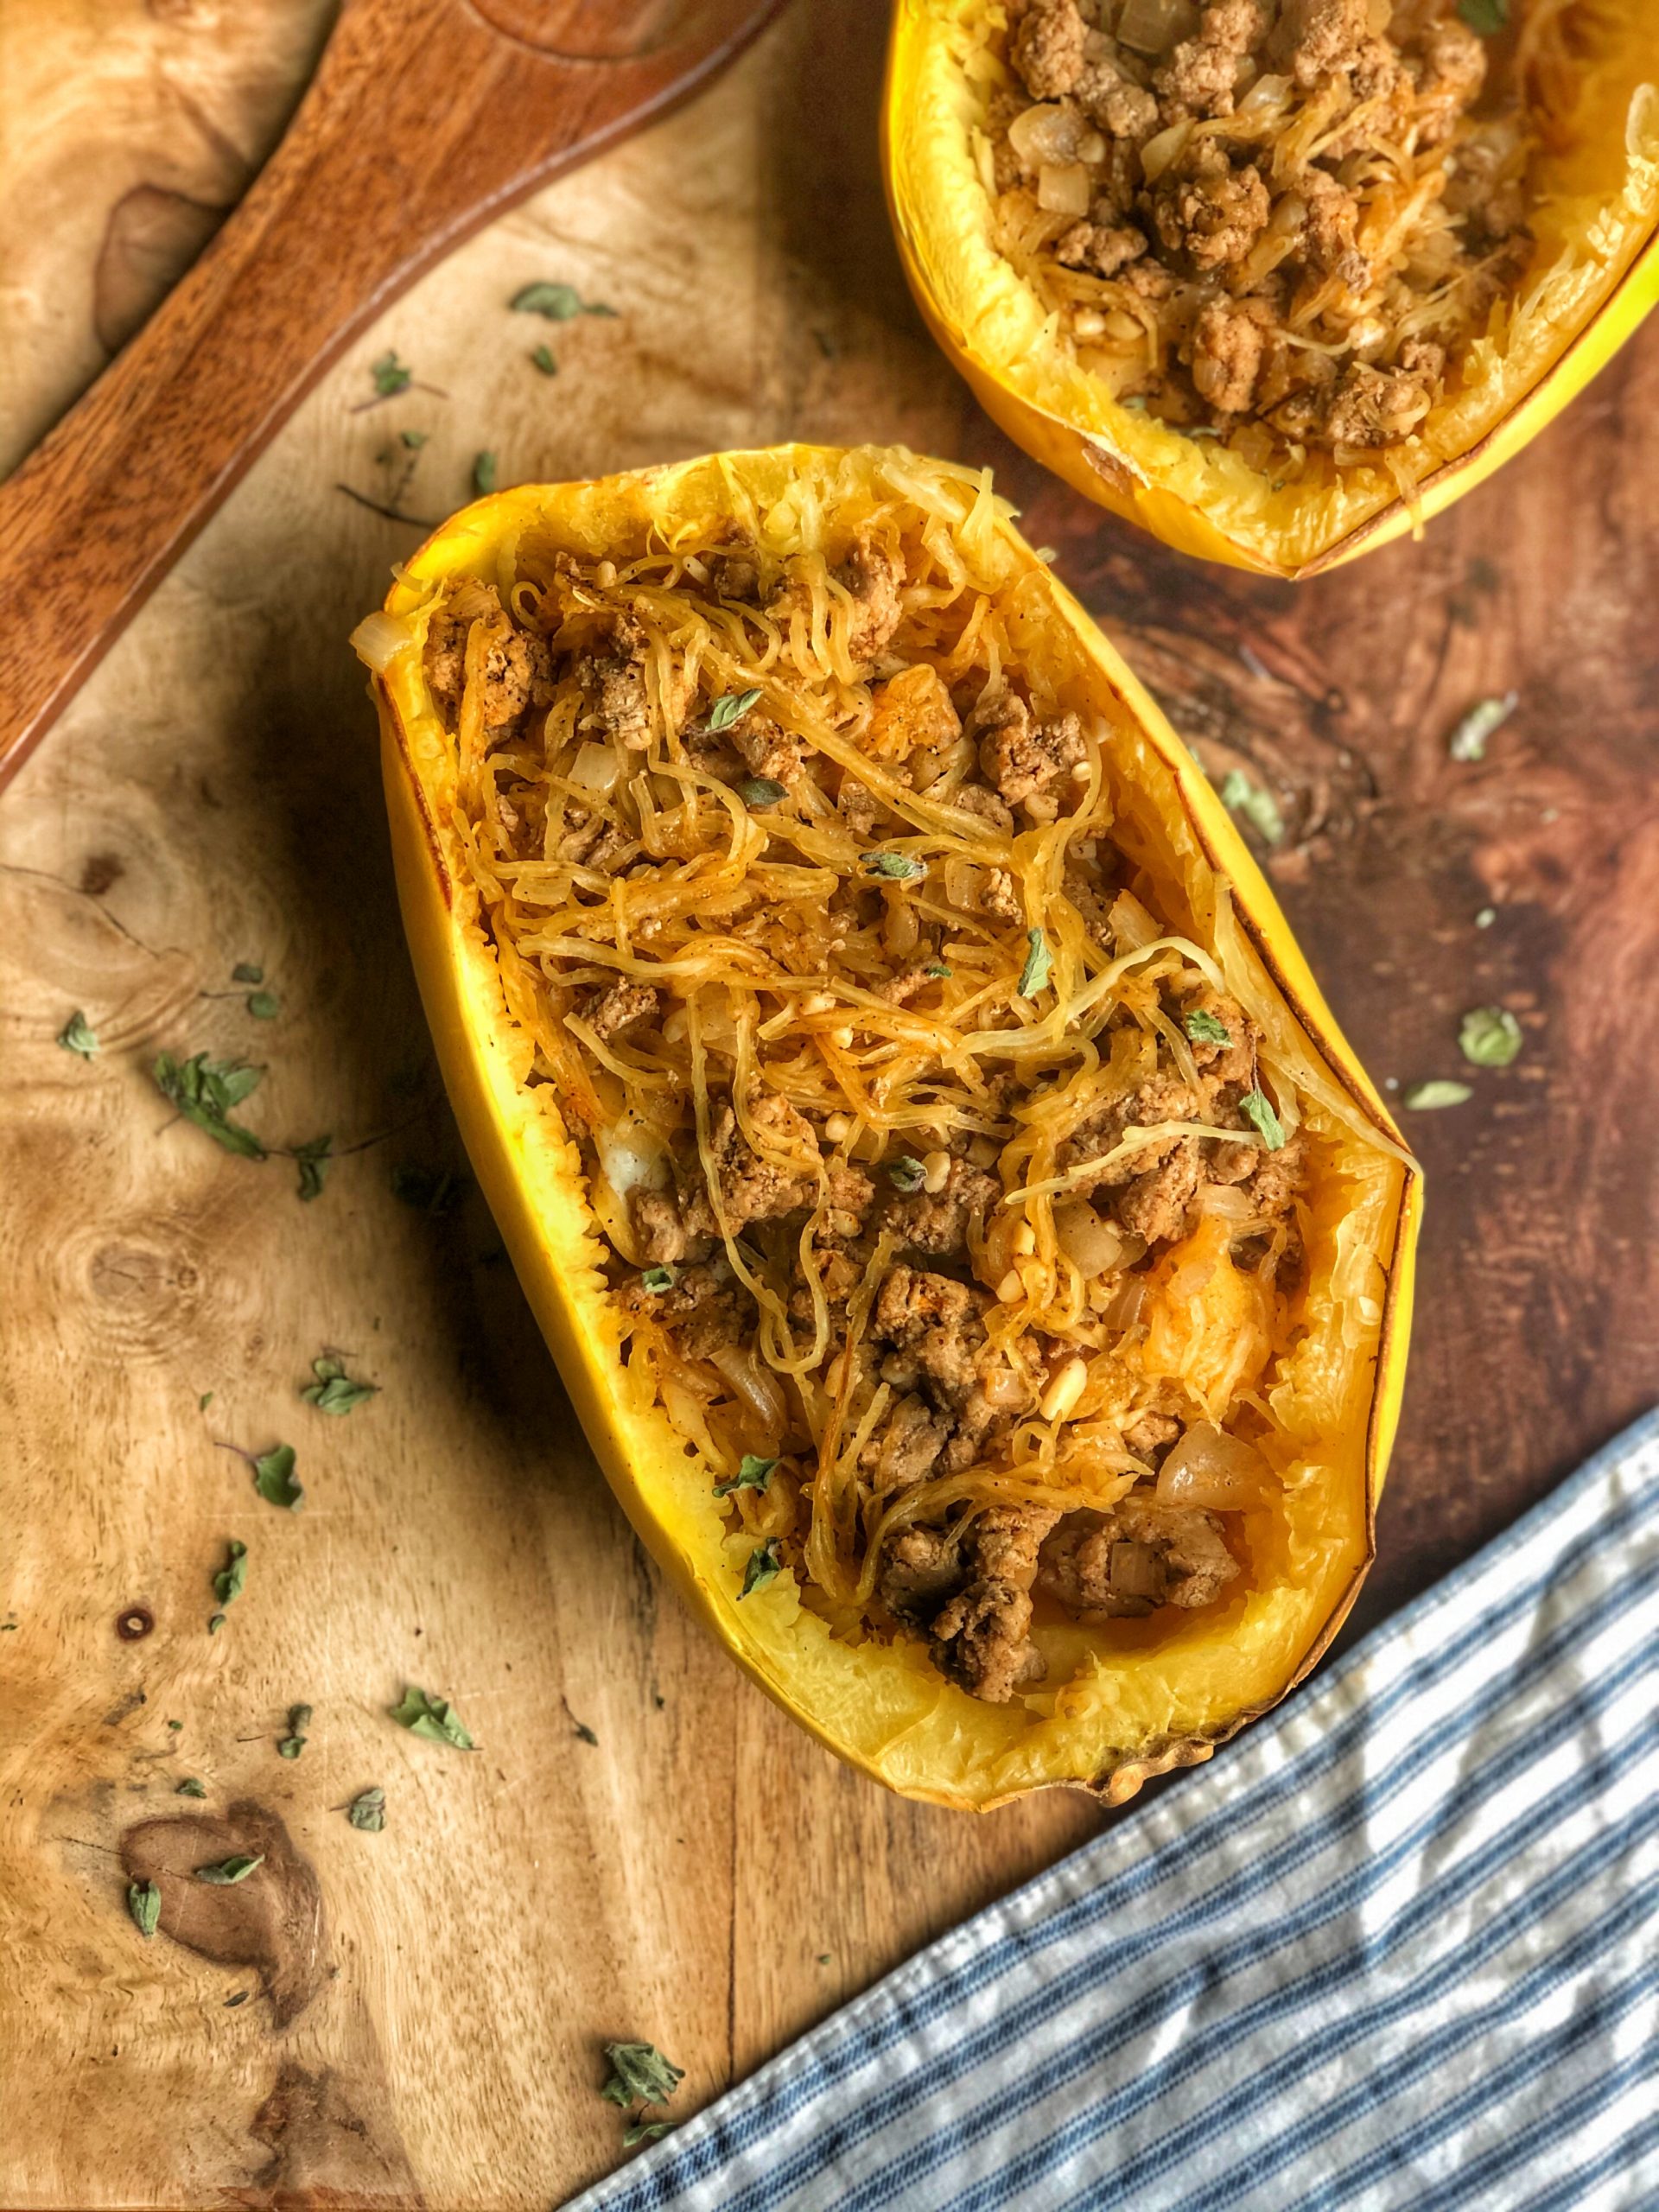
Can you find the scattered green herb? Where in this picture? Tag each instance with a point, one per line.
(191, 1788)
(543, 357)
(390, 376)
(1204, 1029)
(731, 707)
(753, 1473)
(144, 1904)
(334, 1391)
(1468, 740)
(299, 1719)
(1257, 1107)
(824, 1957)
(367, 1811)
(484, 474)
(204, 1401)
(206, 1092)
(646, 2131)
(237, 1868)
(273, 1477)
(265, 1006)
(247, 971)
(78, 1036)
(175, 1724)
(1489, 18)
(233, 1578)
(215, 1622)
(640, 2075)
(766, 1560)
(236, 1997)
(1258, 806)
(558, 302)
(413, 440)
(1426, 1097)
(1034, 976)
(428, 1190)
(313, 1159)
(760, 791)
(896, 867)
(937, 970)
(658, 1280)
(906, 1174)
(435, 1718)
(1489, 1036)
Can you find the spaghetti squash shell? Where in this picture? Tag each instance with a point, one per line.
(1594, 276)
(1146, 1697)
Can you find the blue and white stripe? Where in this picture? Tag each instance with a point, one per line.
(1397, 1947)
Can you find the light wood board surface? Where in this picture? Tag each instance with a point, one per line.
(423, 2009)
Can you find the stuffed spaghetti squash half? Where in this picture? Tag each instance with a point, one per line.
(1277, 279)
(981, 1268)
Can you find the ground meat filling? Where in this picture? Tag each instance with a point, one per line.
(826, 1303)
(1281, 223)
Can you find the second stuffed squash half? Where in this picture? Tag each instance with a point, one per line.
(1277, 279)
(980, 1266)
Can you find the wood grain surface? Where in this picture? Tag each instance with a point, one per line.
(414, 2017)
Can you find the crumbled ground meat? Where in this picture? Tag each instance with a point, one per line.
(1268, 311)
(614, 686)
(1207, 213)
(938, 1223)
(1122, 109)
(982, 1637)
(706, 1306)
(664, 1235)
(516, 668)
(973, 799)
(595, 843)
(923, 1567)
(1230, 343)
(874, 578)
(1315, 38)
(1101, 246)
(769, 750)
(1024, 760)
(1138, 1556)
(733, 575)
(937, 1322)
(750, 1188)
(999, 896)
(609, 1013)
(904, 1449)
(1048, 47)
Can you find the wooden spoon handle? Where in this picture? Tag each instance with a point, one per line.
(421, 123)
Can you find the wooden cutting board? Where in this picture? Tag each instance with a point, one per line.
(640, 1847)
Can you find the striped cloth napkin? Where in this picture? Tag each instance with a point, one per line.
(1397, 1947)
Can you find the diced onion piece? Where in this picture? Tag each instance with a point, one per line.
(1266, 97)
(754, 1384)
(596, 768)
(1168, 146)
(1135, 1570)
(379, 638)
(1124, 1310)
(1226, 1200)
(961, 886)
(633, 1155)
(1211, 1470)
(1064, 191)
(1132, 925)
(1048, 132)
(1094, 1245)
(1154, 26)
(1005, 1389)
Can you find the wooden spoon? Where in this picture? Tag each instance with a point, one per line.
(426, 118)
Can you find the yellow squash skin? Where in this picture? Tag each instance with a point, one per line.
(1595, 276)
(1145, 1697)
